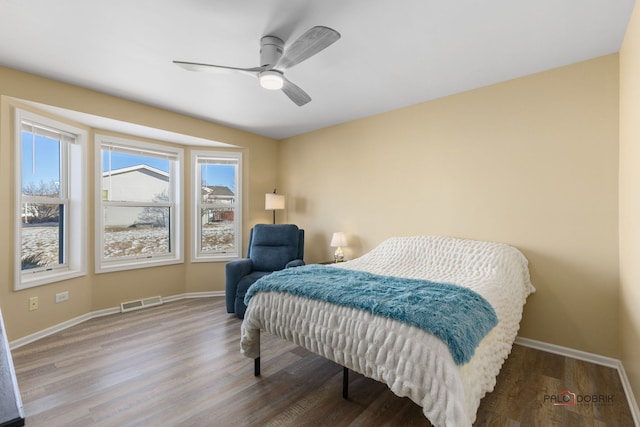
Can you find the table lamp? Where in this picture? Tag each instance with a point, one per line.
(337, 240)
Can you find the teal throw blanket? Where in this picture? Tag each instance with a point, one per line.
(458, 316)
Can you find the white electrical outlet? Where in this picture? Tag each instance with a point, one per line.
(33, 303)
(62, 296)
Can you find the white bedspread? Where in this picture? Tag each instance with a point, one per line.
(410, 361)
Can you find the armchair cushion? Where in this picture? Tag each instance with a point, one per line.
(272, 247)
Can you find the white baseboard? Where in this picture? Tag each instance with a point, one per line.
(114, 310)
(592, 358)
(193, 295)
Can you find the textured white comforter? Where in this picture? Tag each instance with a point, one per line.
(410, 361)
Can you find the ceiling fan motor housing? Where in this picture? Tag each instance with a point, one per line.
(271, 49)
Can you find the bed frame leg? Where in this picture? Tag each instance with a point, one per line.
(256, 366)
(345, 382)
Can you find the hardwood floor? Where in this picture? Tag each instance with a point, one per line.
(179, 365)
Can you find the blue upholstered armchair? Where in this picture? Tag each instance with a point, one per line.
(272, 247)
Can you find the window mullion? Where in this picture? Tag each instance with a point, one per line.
(137, 204)
(42, 199)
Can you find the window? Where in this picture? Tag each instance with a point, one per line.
(217, 207)
(138, 221)
(50, 201)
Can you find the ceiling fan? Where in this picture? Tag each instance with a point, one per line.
(275, 61)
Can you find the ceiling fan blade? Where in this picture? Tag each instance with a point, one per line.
(297, 95)
(313, 41)
(209, 68)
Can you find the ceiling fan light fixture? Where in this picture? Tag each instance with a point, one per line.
(271, 80)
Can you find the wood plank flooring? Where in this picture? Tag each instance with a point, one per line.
(179, 364)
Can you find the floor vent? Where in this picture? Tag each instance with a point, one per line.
(141, 303)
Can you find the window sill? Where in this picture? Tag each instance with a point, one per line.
(135, 265)
(222, 258)
(45, 278)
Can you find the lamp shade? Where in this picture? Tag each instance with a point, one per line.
(338, 239)
(273, 201)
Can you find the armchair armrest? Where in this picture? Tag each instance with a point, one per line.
(294, 263)
(234, 271)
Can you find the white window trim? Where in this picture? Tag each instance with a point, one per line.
(196, 256)
(76, 236)
(176, 221)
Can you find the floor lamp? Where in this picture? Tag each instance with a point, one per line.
(273, 202)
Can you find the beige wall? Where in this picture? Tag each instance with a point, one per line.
(532, 162)
(94, 292)
(630, 201)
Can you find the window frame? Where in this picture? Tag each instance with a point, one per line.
(196, 205)
(73, 196)
(175, 204)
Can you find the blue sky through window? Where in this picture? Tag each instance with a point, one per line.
(40, 159)
(41, 163)
(213, 174)
(224, 175)
(119, 160)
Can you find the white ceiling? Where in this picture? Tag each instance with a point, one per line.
(392, 53)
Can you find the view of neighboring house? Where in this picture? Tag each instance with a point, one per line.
(139, 183)
(146, 184)
(217, 195)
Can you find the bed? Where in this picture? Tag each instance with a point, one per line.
(409, 360)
